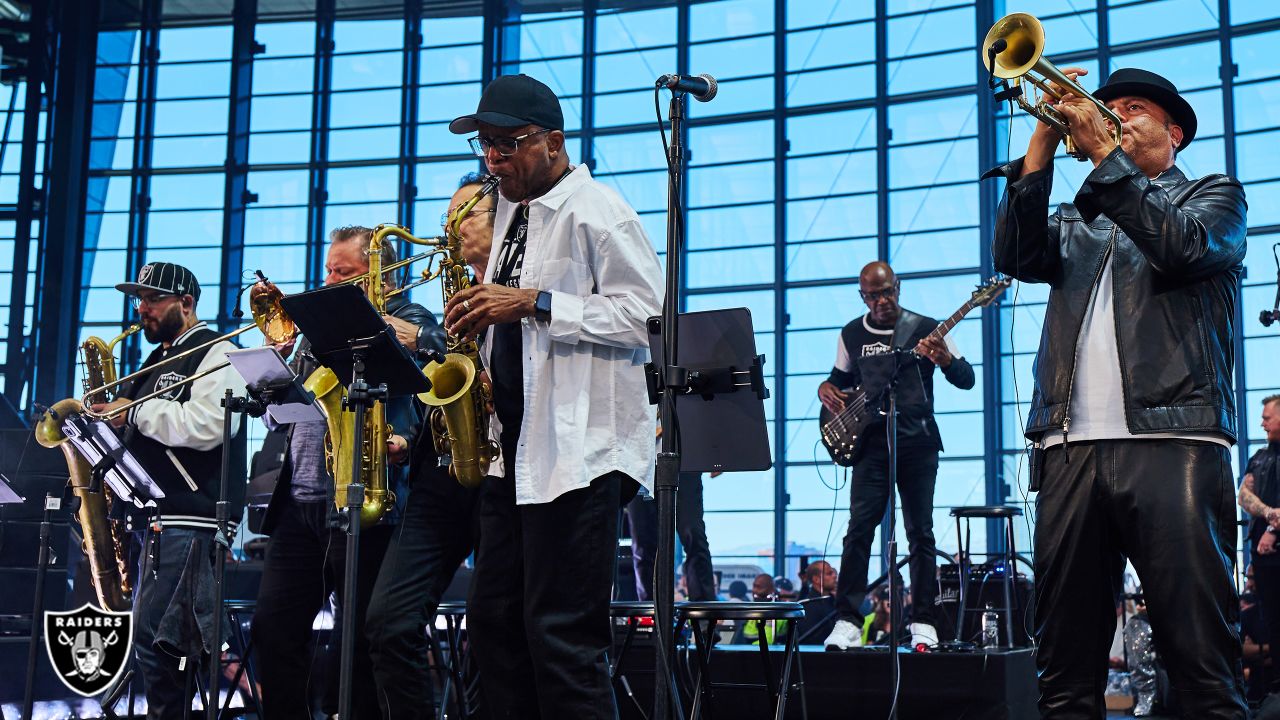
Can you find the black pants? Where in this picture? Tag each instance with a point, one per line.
(304, 564)
(690, 528)
(538, 615)
(869, 496)
(1266, 578)
(165, 585)
(436, 533)
(1169, 506)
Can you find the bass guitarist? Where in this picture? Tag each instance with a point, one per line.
(884, 327)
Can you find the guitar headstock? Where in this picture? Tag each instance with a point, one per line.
(990, 290)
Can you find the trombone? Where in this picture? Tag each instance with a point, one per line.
(268, 316)
(439, 247)
(1012, 50)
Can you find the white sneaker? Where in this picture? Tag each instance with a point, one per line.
(843, 636)
(923, 634)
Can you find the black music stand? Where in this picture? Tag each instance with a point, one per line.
(711, 389)
(111, 461)
(349, 337)
(51, 503)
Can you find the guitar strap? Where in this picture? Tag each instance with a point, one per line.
(907, 324)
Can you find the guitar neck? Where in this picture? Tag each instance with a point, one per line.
(945, 326)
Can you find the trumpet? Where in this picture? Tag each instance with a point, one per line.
(1013, 50)
(268, 316)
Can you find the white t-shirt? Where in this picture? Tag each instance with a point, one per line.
(1097, 397)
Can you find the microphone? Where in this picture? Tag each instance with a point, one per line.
(702, 87)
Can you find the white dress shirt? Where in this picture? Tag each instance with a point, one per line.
(586, 407)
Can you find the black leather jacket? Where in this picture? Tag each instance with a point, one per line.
(1177, 250)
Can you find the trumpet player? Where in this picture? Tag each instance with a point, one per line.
(1133, 415)
(565, 299)
(177, 437)
(436, 533)
(306, 553)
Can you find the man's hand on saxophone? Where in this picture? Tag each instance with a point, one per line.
(472, 310)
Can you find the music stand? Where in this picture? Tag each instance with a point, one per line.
(712, 395)
(51, 503)
(349, 337)
(111, 461)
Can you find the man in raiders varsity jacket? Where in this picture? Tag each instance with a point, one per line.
(885, 327)
(178, 438)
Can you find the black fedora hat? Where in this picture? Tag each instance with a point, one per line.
(513, 101)
(1146, 84)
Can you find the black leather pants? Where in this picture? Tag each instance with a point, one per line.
(1169, 506)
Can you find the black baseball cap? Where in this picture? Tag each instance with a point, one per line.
(1144, 83)
(163, 277)
(513, 101)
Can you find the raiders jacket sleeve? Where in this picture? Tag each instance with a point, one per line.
(196, 423)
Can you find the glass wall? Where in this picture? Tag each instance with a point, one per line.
(843, 132)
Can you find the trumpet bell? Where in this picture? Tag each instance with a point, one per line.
(269, 315)
(1024, 35)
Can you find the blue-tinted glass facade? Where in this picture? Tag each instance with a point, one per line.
(844, 131)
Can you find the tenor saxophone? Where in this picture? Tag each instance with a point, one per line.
(103, 539)
(458, 400)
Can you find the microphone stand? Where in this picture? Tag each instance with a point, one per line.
(51, 503)
(890, 530)
(666, 699)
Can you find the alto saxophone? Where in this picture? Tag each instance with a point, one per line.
(458, 400)
(103, 540)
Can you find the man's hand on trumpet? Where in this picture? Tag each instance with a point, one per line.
(1044, 139)
(1089, 130)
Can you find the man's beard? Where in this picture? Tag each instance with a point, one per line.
(167, 328)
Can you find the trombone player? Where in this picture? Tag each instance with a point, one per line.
(177, 437)
(1132, 417)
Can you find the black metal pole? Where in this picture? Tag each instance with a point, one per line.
(51, 503)
(667, 474)
(357, 397)
(221, 544)
(890, 528)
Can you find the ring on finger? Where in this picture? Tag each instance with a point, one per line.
(466, 304)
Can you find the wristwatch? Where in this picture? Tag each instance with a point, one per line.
(542, 306)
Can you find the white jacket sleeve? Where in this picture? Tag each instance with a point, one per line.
(196, 423)
(628, 291)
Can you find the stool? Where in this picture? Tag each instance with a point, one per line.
(633, 611)
(996, 512)
(712, 613)
(235, 610)
(453, 612)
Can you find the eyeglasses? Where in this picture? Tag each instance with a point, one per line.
(506, 146)
(444, 216)
(152, 300)
(877, 295)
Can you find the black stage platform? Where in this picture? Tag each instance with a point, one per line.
(855, 684)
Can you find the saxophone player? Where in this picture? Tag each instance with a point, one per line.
(307, 551)
(436, 533)
(565, 300)
(178, 438)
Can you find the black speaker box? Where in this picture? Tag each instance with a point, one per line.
(977, 595)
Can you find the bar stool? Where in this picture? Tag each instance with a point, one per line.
(997, 512)
(696, 613)
(633, 611)
(454, 613)
(237, 611)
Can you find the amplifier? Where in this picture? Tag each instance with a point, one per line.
(984, 588)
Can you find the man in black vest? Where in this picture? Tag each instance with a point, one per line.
(306, 555)
(885, 327)
(178, 438)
